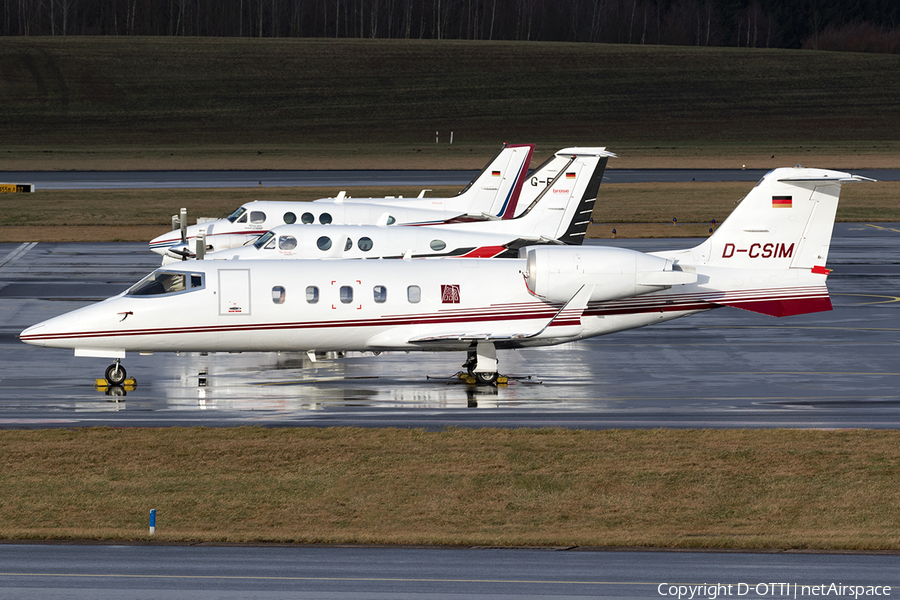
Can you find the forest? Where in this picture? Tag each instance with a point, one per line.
(842, 25)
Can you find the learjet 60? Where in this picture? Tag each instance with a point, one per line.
(769, 256)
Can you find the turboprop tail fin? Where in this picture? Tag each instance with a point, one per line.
(769, 255)
(495, 191)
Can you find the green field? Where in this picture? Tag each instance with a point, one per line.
(117, 102)
(662, 488)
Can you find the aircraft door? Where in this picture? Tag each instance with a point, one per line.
(234, 292)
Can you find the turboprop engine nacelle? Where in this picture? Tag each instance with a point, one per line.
(556, 274)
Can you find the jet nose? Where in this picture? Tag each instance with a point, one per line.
(29, 336)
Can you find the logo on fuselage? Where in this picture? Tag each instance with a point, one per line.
(450, 294)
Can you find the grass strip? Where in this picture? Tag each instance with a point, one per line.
(666, 488)
(634, 210)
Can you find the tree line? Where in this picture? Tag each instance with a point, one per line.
(860, 25)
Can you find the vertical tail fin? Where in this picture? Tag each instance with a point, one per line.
(769, 255)
(784, 222)
(495, 190)
(561, 194)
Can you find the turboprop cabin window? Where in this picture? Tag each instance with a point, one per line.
(287, 242)
(290, 218)
(413, 294)
(346, 294)
(437, 245)
(278, 294)
(348, 244)
(160, 282)
(312, 294)
(257, 216)
(323, 243)
(325, 218)
(307, 218)
(364, 244)
(380, 293)
(236, 214)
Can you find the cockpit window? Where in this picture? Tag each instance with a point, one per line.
(161, 282)
(236, 214)
(258, 244)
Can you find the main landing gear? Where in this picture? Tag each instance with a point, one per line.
(481, 365)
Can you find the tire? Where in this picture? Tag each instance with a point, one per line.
(115, 374)
(486, 378)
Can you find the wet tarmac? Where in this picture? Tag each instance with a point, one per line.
(723, 368)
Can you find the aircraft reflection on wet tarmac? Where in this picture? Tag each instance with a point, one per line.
(724, 368)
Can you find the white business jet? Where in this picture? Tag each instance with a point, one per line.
(559, 214)
(491, 194)
(768, 256)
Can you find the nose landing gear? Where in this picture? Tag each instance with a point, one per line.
(115, 373)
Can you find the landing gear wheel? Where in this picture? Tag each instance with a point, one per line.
(115, 374)
(486, 378)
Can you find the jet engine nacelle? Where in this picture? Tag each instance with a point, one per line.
(556, 273)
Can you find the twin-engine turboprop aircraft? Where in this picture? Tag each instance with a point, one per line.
(559, 214)
(491, 194)
(555, 179)
(768, 256)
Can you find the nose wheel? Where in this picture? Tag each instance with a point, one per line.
(115, 373)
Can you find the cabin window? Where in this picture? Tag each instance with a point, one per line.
(413, 294)
(348, 244)
(236, 214)
(437, 245)
(346, 294)
(257, 216)
(312, 294)
(278, 294)
(323, 243)
(263, 239)
(287, 242)
(307, 218)
(290, 218)
(391, 220)
(380, 293)
(325, 218)
(160, 282)
(364, 244)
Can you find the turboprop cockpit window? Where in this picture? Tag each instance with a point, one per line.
(160, 282)
(236, 214)
(263, 240)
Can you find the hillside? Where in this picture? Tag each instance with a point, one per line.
(154, 92)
